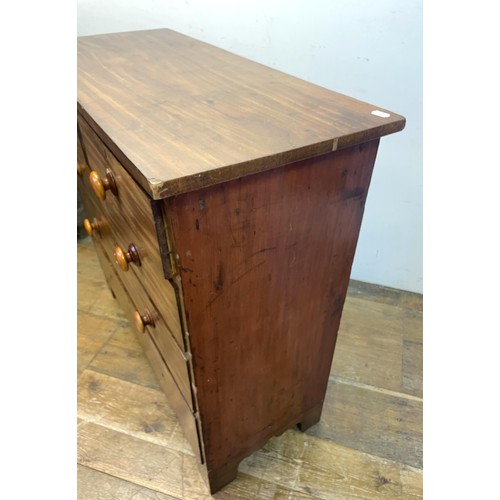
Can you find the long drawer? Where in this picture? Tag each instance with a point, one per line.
(162, 370)
(130, 218)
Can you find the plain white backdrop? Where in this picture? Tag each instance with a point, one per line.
(369, 50)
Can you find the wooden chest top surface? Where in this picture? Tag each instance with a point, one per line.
(181, 114)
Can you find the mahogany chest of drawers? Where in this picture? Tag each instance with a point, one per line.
(225, 200)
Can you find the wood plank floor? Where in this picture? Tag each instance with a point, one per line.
(368, 444)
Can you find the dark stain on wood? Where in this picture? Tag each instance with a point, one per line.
(353, 193)
(93, 386)
(381, 481)
(153, 427)
(219, 283)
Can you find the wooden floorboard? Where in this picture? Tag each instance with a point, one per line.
(367, 445)
(122, 357)
(385, 425)
(101, 486)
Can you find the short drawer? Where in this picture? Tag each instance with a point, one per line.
(129, 217)
(186, 417)
(123, 198)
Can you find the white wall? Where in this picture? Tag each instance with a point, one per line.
(371, 50)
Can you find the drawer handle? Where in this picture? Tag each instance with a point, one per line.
(96, 226)
(143, 320)
(80, 168)
(123, 258)
(100, 186)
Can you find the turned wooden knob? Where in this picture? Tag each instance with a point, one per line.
(94, 226)
(123, 258)
(143, 320)
(80, 168)
(100, 186)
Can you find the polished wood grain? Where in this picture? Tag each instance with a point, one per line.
(130, 441)
(132, 220)
(181, 114)
(265, 263)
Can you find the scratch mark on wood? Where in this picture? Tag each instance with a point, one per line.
(246, 272)
(262, 250)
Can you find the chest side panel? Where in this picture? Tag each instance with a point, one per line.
(265, 263)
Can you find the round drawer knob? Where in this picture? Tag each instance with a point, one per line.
(80, 168)
(100, 186)
(123, 258)
(92, 227)
(143, 320)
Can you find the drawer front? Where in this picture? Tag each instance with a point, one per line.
(131, 222)
(174, 356)
(163, 373)
(82, 166)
